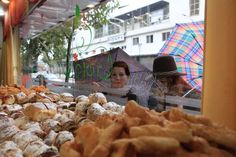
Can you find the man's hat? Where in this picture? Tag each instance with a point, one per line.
(165, 66)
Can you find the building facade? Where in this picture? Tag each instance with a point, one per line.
(139, 29)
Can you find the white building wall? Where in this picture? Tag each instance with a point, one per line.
(179, 12)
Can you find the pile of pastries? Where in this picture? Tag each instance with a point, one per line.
(140, 132)
(38, 122)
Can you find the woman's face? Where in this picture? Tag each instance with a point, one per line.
(118, 77)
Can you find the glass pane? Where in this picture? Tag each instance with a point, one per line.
(196, 12)
(197, 5)
(135, 26)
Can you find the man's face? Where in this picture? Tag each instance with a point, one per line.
(164, 80)
(118, 77)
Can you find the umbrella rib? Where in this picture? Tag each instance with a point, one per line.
(191, 60)
(194, 36)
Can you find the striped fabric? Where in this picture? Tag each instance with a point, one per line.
(186, 44)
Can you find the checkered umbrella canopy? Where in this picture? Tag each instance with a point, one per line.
(186, 45)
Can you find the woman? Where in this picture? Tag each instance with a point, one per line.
(119, 78)
(119, 74)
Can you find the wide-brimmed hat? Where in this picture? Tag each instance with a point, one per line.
(165, 66)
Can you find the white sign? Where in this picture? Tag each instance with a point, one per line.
(116, 38)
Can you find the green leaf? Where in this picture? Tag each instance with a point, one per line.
(77, 11)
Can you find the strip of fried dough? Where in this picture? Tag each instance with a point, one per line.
(198, 144)
(135, 110)
(176, 114)
(123, 148)
(153, 145)
(181, 134)
(67, 150)
(88, 136)
(104, 121)
(221, 136)
(219, 152)
(131, 121)
(107, 136)
(183, 153)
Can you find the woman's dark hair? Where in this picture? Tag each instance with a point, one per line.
(122, 64)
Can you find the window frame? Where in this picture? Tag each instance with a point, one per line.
(165, 36)
(98, 32)
(136, 41)
(149, 39)
(194, 7)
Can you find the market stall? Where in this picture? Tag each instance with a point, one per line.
(39, 122)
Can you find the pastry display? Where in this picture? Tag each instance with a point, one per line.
(38, 122)
(140, 132)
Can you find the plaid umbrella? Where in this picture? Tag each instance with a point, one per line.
(186, 45)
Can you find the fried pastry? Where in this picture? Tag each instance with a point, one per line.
(67, 150)
(221, 136)
(106, 138)
(135, 110)
(88, 137)
(122, 148)
(182, 135)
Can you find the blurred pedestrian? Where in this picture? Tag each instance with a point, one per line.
(168, 81)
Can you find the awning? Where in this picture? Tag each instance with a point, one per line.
(47, 14)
